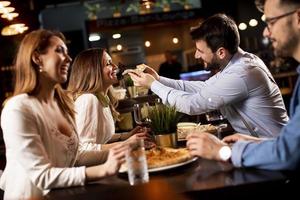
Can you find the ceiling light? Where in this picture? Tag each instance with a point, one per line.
(116, 36)
(10, 16)
(175, 40)
(242, 26)
(119, 47)
(253, 22)
(14, 29)
(7, 10)
(263, 18)
(4, 4)
(94, 37)
(147, 43)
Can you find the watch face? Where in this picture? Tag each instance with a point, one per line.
(225, 153)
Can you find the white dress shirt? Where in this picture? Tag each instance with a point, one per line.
(245, 85)
(95, 123)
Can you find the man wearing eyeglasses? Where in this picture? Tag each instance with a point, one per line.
(282, 152)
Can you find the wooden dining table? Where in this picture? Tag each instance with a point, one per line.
(200, 179)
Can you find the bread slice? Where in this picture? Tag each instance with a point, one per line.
(139, 69)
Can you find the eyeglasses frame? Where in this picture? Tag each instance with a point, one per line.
(272, 20)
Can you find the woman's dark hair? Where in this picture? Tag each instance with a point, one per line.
(218, 31)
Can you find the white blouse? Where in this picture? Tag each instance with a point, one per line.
(95, 123)
(38, 156)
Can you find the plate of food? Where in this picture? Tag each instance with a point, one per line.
(163, 158)
(183, 129)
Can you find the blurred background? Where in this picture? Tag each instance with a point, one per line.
(134, 32)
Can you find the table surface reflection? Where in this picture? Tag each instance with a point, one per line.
(202, 178)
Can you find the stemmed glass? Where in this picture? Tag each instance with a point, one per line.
(213, 104)
(140, 114)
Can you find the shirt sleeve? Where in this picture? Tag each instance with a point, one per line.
(86, 107)
(281, 153)
(193, 97)
(22, 139)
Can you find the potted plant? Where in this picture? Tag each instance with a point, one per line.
(163, 124)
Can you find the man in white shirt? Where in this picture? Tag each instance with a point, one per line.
(243, 89)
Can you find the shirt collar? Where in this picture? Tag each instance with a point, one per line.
(240, 52)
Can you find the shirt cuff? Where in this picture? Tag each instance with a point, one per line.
(81, 177)
(237, 153)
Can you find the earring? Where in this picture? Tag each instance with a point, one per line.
(40, 69)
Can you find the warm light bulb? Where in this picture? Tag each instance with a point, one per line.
(253, 22)
(175, 40)
(119, 47)
(10, 16)
(4, 4)
(147, 43)
(94, 37)
(116, 36)
(7, 10)
(242, 26)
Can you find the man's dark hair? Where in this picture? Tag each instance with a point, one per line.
(260, 3)
(218, 31)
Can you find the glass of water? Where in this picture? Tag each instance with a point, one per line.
(137, 163)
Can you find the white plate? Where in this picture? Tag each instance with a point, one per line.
(158, 169)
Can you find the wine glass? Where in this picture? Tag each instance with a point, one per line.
(214, 116)
(140, 114)
(213, 104)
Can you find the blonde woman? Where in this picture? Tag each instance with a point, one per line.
(92, 76)
(38, 125)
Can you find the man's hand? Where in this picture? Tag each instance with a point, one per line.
(142, 79)
(151, 71)
(204, 145)
(238, 136)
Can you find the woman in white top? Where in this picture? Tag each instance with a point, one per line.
(91, 79)
(38, 125)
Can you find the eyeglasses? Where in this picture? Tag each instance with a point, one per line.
(271, 21)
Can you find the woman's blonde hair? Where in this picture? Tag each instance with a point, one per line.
(26, 70)
(86, 76)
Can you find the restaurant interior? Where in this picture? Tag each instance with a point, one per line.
(135, 32)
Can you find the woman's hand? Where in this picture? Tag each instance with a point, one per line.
(139, 134)
(116, 157)
(142, 79)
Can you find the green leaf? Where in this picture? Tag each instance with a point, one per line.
(163, 118)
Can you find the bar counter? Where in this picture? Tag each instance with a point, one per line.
(201, 179)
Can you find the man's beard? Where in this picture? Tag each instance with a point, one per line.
(213, 65)
(287, 48)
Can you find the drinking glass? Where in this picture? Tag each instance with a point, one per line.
(213, 104)
(140, 114)
(137, 163)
